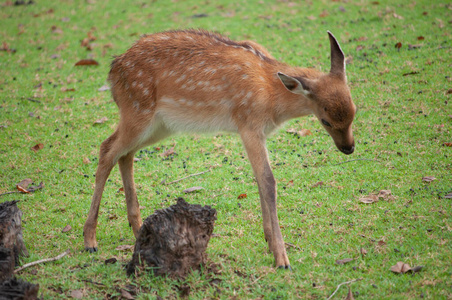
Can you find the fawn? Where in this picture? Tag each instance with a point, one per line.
(199, 81)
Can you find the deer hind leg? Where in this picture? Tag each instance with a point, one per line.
(257, 154)
(156, 133)
(120, 147)
(107, 160)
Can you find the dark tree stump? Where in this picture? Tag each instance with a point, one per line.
(18, 289)
(11, 240)
(173, 240)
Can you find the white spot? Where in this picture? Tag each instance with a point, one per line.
(169, 101)
(244, 76)
(202, 63)
(134, 84)
(182, 101)
(140, 73)
(180, 78)
(164, 37)
(171, 73)
(146, 92)
(141, 85)
(248, 95)
(136, 105)
(189, 103)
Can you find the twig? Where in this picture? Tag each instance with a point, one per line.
(292, 245)
(42, 261)
(93, 282)
(13, 192)
(347, 161)
(347, 282)
(200, 173)
(33, 100)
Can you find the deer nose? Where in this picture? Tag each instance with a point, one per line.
(348, 150)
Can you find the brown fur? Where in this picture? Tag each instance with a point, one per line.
(197, 81)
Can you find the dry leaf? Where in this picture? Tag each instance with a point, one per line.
(124, 247)
(21, 189)
(428, 178)
(126, 295)
(363, 252)
(320, 183)
(242, 196)
(67, 228)
(77, 294)
(33, 188)
(398, 45)
(87, 62)
(448, 144)
(400, 268)
(101, 120)
(448, 196)
(193, 189)
(368, 199)
(86, 160)
(344, 261)
(104, 88)
(384, 194)
(349, 295)
(37, 147)
(25, 183)
(168, 152)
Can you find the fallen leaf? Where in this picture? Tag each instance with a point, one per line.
(410, 73)
(349, 295)
(344, 261)
(400, 268)
(242, 196)
(126, 295)
(448, 196)
(193, 189)
(121, 189)
(101, 120)
(124, 247)
(110, 261)
(368, 199)
(67, 228)
(86, 160)
(448, 144)
(320, 183)
(77, 294)
(381, 243)
(25, 183)
(168, 152)
(87, 62)
(37, 147)
(103, 88)
(420, 38)
(363, 251)
(324, 14)
(384, 194)
(449, 91)
(33, 188)
(21, 189)
(398, 46)
(428, 178)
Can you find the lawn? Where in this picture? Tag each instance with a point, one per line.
(54, 115)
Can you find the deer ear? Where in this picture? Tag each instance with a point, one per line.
(337, 57)
(296, 85)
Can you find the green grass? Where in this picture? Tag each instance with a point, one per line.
(401, 127)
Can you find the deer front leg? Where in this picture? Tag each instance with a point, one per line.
(258, 156)
(133, 208)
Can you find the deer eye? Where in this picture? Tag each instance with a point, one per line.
(326, 123)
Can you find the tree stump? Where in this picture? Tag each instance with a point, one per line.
(173, 240)
(11, 240)
(13, 289)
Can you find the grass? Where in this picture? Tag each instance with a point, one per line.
(402, 129)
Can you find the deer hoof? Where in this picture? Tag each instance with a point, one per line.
(91, 249)
(285, 268)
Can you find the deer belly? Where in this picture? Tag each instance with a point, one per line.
(190, 115)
